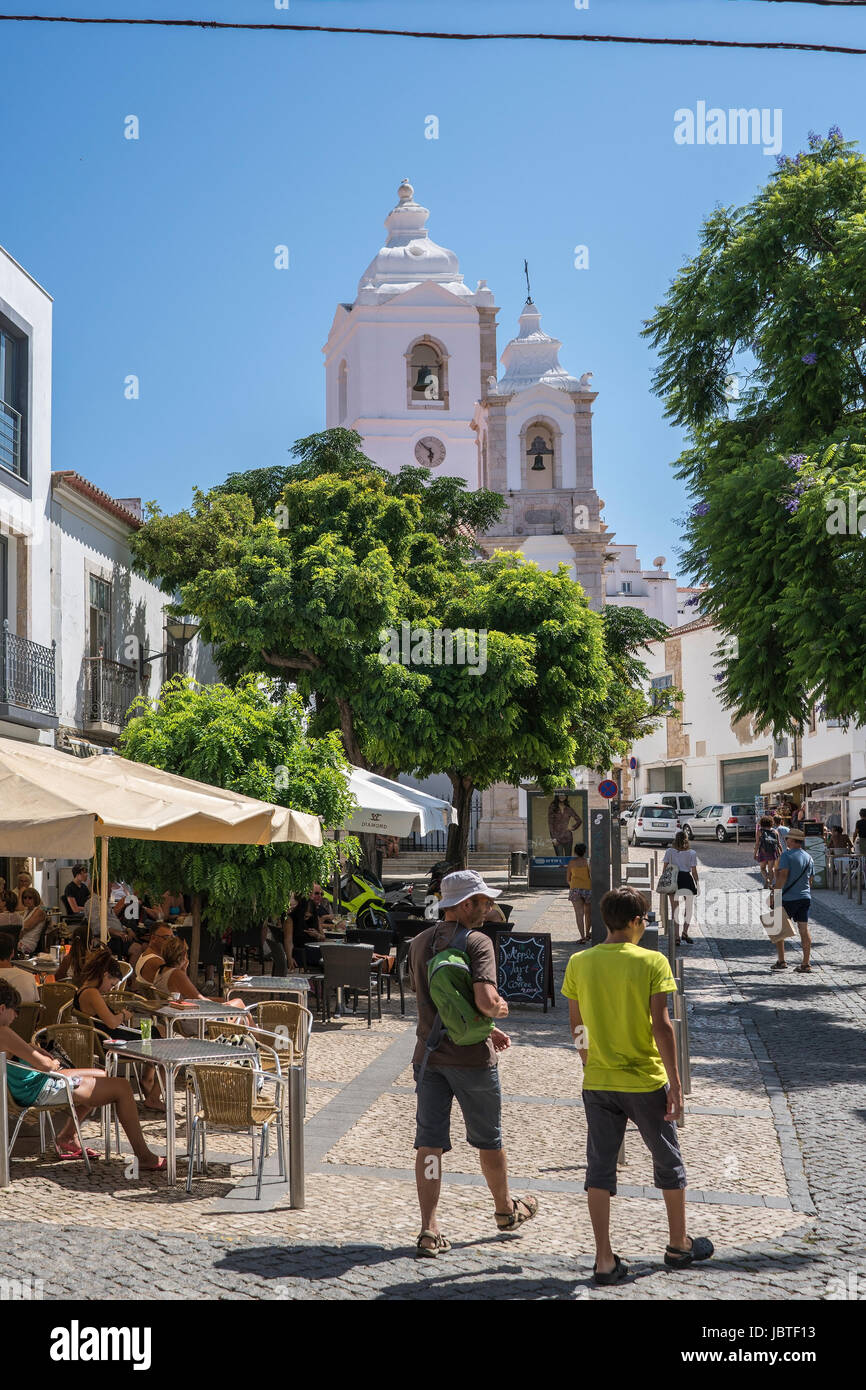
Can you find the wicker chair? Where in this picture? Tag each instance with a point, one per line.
(226, 1098)
(20, 1112)
(27, 1021)
(77, 1039)
(53, 998)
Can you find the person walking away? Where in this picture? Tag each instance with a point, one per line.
(470, 1072)
(860, 833)
(767, 849)
(685, 864)
(579, 876)
(793, 880)
(618, 1013)
(781, 830)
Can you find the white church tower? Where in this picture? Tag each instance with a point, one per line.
(534, 430)
(407, 360)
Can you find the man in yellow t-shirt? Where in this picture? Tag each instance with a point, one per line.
(618, 1013)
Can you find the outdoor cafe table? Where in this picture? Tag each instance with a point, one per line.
(200, 1012)
(170, 1054)
(271, 984)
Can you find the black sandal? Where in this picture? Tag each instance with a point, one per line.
(615, 1275)
(700, 1249)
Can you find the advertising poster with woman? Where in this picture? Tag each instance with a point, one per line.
(556, 823)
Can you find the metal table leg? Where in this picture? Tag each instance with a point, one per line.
(170, 1154)
(5, 1179)
(296, 1138)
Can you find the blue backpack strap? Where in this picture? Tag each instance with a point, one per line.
(434, 1037)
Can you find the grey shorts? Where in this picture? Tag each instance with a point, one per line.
(607, 1113)
(479, 1096)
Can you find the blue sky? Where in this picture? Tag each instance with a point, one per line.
(159, 252)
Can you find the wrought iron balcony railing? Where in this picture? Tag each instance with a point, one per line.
(10, 437)
(111, 689)
(26, 673)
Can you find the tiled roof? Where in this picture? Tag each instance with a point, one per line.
(95, 494)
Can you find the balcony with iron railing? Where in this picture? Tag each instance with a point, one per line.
(10, 438)
(27, 680)
(110, 688)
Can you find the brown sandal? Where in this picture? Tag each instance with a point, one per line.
(439, 1246)
(507, 1220)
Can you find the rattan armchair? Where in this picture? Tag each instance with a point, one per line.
(226, 1097)
(27, 1020)
(20, 1112)
(53, 997)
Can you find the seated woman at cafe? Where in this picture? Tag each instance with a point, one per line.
(72, 964)
(99, 976)
(11, 919)
(35, 921)
(172, 905)
(24, 881)
(309, 917)
(150, 960)
(839, 841)
(38, 1082)
(173, 977)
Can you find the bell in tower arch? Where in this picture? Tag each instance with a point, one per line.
(427, 383)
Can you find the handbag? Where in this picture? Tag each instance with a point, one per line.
(778, 928)
(667, 879)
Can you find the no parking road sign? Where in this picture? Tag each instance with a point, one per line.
(608, 789)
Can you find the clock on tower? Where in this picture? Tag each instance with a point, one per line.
(430, 451)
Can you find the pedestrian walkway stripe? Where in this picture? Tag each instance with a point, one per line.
(562, 1186)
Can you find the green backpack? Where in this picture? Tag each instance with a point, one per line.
(449, 977)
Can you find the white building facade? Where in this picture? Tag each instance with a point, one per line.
(77, 624)
(703, 751)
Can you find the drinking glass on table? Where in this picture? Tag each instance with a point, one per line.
(146, 1029)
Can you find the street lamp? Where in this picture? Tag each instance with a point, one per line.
(179, 631)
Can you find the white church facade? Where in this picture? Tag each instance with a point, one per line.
(411, 365)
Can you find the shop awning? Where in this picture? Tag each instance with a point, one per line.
(813, 775)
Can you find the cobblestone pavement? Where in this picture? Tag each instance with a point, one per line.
(774, 1143)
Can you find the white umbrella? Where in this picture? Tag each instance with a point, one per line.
(55, 806)
(390, 808)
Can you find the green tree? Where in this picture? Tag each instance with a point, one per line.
(762, 340)
(249, 739)
(313, 573)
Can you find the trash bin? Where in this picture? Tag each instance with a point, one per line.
(519, 863)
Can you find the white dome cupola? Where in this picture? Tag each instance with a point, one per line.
(532, 359)
(407, 360)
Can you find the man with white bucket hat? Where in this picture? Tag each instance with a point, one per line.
(445, 1069)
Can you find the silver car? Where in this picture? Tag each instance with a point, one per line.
(720, 822)
(651, 822)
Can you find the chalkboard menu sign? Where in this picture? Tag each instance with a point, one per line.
(524, 967)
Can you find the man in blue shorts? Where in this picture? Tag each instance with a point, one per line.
(794, 873)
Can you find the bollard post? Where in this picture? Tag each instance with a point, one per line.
(686, 1061)
(667, 915)
(5, 1180)
(861, 865)
(297, 1198)
(850, 879)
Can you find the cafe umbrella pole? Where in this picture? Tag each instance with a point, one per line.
(103, 890)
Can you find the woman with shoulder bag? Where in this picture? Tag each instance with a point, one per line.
(684, 862)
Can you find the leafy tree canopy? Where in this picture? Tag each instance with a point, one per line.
(252, 740)
(762, 346)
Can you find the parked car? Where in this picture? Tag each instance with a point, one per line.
(721, 820)
(682, 802)
(651, 822)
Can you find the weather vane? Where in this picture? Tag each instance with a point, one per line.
(526, 273)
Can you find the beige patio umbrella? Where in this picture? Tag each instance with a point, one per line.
(56, 807)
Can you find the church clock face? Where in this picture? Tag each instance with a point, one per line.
(430, 451)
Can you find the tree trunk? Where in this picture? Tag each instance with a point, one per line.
(195, 943)
(457, 851)
(347, 731)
